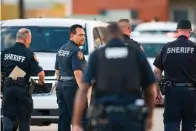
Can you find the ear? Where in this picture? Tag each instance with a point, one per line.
(71, 35)
(129, 29)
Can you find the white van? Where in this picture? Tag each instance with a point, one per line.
(48, 35)
(159, 28)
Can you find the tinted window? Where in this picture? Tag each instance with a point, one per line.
(152, 50)
(97, 38)
(44, 39)
(102, 32)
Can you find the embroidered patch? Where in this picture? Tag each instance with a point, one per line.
(80, 55)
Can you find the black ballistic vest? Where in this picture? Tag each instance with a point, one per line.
(117, 76)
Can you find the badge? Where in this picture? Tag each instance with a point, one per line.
(80, 55)
(36, 59)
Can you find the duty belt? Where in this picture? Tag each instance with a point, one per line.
(65, 78)
(19, 82)
(184, 84)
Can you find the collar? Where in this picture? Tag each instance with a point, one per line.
(20, 44)
(182, 37)
(126, 37)
(73, 43)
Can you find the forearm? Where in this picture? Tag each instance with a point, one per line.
(80, 104)
(57, 74)
(158, 74)
(41, 76)
(150, 98)
(78, 75)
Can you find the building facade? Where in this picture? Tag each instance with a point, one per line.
(145, 10)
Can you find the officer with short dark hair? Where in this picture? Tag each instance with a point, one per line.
(178, 61)
(118, 70)
(125, 27)
(17, 103)
(70, 63)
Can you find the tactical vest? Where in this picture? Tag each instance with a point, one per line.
(117, 76)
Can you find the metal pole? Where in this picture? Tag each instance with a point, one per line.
(21, 9)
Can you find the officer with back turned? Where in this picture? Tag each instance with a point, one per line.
(17, 103)
(125, 27)
(178, 61)
(70, 63)
(119, 72)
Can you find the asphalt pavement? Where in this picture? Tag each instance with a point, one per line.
(158, 123)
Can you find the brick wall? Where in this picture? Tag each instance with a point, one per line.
(147, 9)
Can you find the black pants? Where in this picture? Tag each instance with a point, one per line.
(180, 106)
(65, 99)
(17, 104)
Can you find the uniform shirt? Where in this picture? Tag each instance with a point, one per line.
(69, 58)
(178, 60)
(146, 73)
(19, 55)
(130, 41)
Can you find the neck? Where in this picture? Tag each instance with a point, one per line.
(117, 36)
(128, 34)
(74, 41)
(183, 34)
(21, 41)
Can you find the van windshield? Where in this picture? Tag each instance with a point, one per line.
(44, 39)
(152, 50)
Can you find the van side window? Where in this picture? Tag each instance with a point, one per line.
(102, 32)
(97, 38)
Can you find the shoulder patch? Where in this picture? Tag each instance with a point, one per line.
(35, 58)
(80, 55)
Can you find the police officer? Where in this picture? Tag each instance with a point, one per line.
(119, 70)
(69, 66)
(178, 61)
(124, 25)
(17, 101)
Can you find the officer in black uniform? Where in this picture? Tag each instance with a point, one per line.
(125, 27)
(119, 70)
(178, 61)
(17, 101)
(69, 66)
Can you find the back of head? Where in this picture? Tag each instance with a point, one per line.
(24, 36)
(184, 24)
(113, 31)
(125, 26)
(124, 20)
(22, 33)
(184, 28)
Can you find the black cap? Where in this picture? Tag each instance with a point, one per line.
(184, 24)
